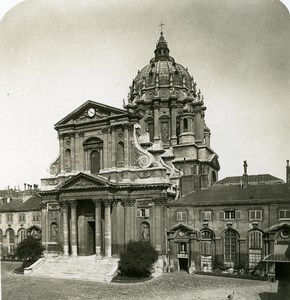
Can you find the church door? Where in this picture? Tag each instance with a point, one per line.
(91, 238)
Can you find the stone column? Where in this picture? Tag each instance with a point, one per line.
(108, 228)
(65, 227)
(207, 138)
(198, 125)
(44, 238)
(159, 204)
(61, 151)
(98, 235)
(156, 120)
(173, 106)
(74, 243)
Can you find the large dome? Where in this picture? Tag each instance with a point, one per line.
(162, 75)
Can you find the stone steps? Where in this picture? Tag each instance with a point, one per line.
(83, 268)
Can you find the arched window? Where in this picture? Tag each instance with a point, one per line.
(145, 232)
(53, 232)
(95, 160)
(94, 149)
(21, 235)
(67, 159)
(206, 243)
(255, 247)
(120, 152)
(230, 247)
(213, 177)
(10, 240)
(185, 125)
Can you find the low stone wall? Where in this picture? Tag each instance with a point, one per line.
(31, 268)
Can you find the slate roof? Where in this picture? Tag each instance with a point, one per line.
(252, 179)
(31, 204)
(234, 194)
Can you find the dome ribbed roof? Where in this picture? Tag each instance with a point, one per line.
(162, 72)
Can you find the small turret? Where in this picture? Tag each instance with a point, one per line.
(287, 172)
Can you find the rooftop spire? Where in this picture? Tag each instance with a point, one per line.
(161, 51)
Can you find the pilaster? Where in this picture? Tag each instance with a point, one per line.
(159, 204)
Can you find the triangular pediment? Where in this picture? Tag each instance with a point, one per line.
(90, 111)
(84, 181)
(181, 226)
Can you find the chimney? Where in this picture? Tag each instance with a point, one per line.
(245, 175)
(287, 172)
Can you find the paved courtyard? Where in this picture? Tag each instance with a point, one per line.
(167, 286)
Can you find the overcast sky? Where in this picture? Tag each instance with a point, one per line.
(55, 55)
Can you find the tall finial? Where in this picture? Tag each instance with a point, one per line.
(161, 32)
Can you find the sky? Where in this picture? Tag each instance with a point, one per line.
(57, 54)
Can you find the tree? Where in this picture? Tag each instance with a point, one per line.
(138, 259)
(29, 251)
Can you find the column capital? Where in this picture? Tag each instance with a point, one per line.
(43, 205)
(63, 204)
(97, 202)
(160, 201)
(107, 202)
(115, 202)
(128, 202)
(73, 203)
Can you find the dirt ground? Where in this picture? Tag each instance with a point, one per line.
(168, 286)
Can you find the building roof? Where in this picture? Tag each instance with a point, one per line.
(235, 194)
(252, 179)
(33, 203)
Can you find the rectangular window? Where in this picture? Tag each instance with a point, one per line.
(143, 213)
(9, 218)
(255, 215)
(230, 215)
(181, 216)
(22, 218)
(206, 215)
(284, 214)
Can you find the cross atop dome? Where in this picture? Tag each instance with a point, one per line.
(161, 32)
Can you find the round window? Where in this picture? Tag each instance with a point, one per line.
(284, 234)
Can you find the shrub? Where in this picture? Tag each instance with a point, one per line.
(218, 264)
(29, 251)
(138, 259)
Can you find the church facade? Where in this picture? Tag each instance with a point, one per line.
(148, 172)
(118, 169)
